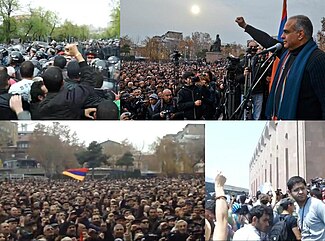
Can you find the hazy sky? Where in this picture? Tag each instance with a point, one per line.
(95, 12)
(140, 133)
(229, 148)
(141, 18)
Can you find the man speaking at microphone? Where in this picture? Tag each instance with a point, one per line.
(298, 89)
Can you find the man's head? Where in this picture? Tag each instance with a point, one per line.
(71, 230)
(297, 188)
(60, 61)
(4, 228)
(38, 91)
(53, 79)
(316, 193)
(118, 231)
(188, 77)
(48, 231)
(27, 70)
(167, 95)
(107, 110)
(297, 31)
(73, 70)
(259, 217)
(181, 226)
(153, 99)
(4, 78)
(288, 205)
(252, 47)
(152, 212)
(144, 223)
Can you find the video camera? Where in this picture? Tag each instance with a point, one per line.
(233, 63)
(252, 50)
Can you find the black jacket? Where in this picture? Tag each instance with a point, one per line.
(187, 95)
(311, 99)
(169, 109)
(5, 111)
(68, 104)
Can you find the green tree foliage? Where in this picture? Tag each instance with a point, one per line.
(126, 160)
(7, 8)
(114, 30)
(38, 25)
(71, 32)
(92, 157)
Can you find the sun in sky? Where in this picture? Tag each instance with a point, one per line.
(195, 9)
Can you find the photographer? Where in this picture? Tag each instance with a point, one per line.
(190, 98)
(253, 72)
(167, 108)
(208, 97)
(138, 106)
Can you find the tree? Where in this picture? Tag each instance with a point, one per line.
(126, 160)
(201, 41)
(92, 157)
(7, 8)
(154, 49)
(166, 152)
(114, 30)
(53, 149)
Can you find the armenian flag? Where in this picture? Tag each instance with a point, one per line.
(282, 23)
(78, 173)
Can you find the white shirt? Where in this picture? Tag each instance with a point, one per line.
(22, 88)
(248, 232)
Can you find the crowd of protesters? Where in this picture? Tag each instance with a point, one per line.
(170, 209)
(297, 215)
(62, 82)
(160, 91)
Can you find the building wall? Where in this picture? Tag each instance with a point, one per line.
(280, 153)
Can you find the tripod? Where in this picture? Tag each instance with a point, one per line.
(238, 114)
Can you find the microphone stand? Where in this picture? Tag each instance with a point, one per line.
(241, 108)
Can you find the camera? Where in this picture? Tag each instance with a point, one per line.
(252, 50)
(233, 63)
(167, 114)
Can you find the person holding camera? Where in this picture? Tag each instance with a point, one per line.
(253, 72)
(167, 107)
(190, 98)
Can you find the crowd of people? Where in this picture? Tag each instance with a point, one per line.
(230, 88)
(165, 91)
(65, 82)
(297, 215)
(164, 209)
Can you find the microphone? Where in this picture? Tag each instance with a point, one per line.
(273, 49)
